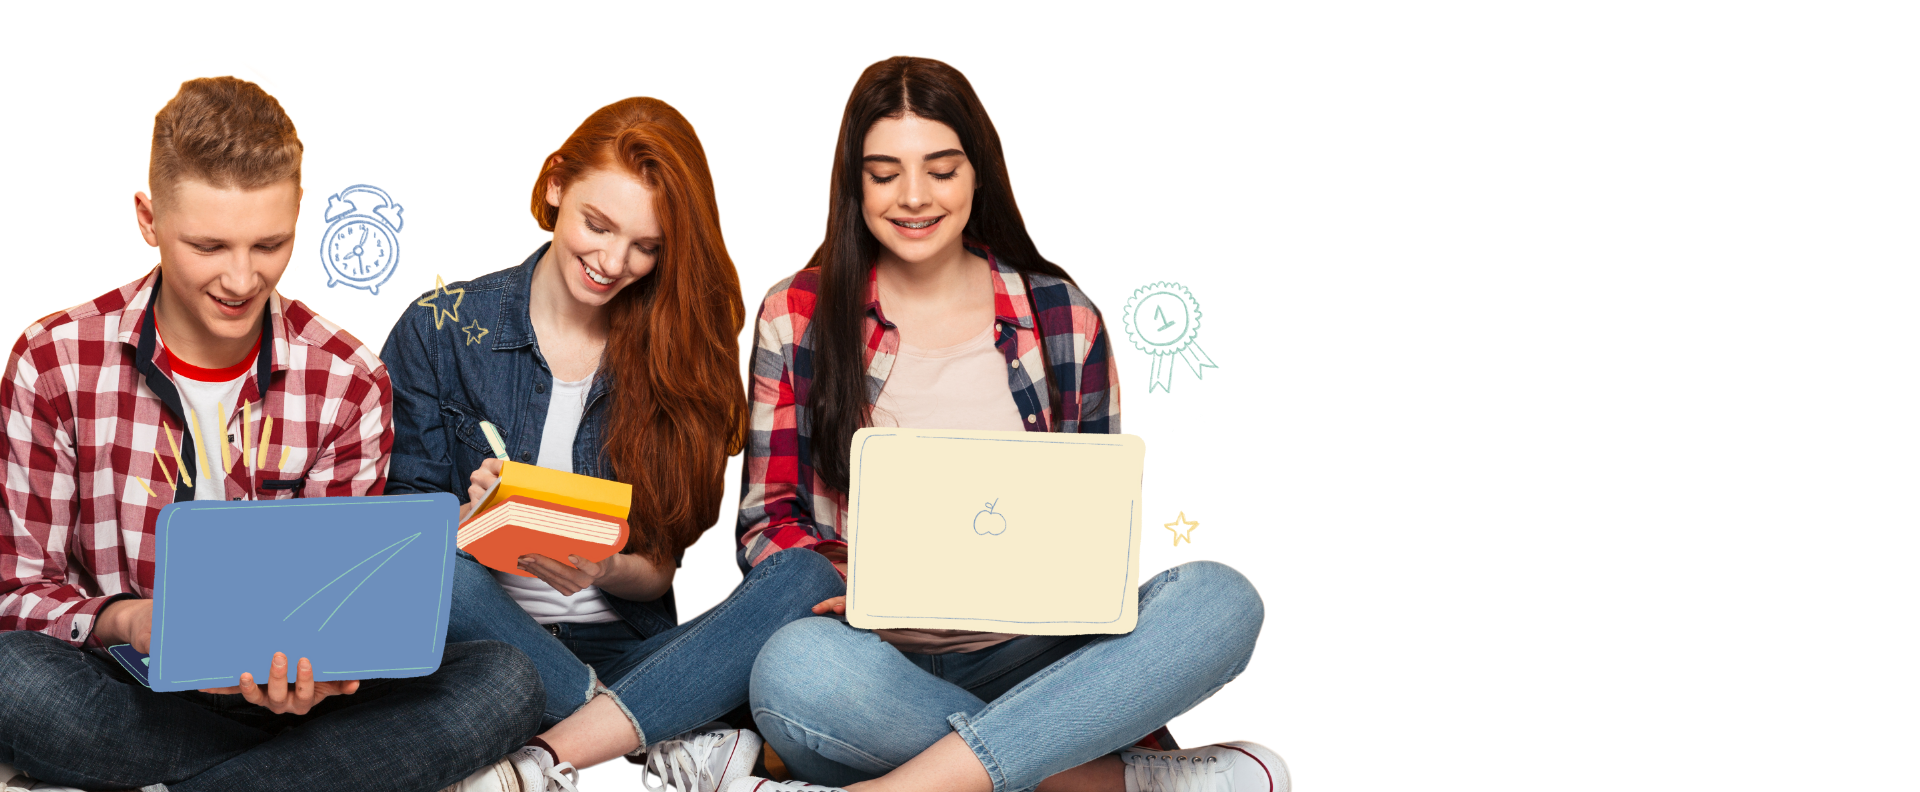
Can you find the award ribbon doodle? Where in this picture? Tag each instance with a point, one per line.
(361, 247)
(1163, 320)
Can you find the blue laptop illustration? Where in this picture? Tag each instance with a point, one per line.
(358, 586)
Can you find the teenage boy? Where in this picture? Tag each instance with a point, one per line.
(117, 407)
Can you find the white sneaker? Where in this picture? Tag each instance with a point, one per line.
(19, 782)
(757, 784)
(530, 769)
(1227, 767)
(706, 759)
(12, 780)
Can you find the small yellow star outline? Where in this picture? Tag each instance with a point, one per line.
(1182, 520)
(472, 335)
(441, 314)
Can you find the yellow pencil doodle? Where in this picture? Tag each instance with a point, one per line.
(220, 421)
(161, 463)
(175, 445)
(1177, 533)
(475, 332)
(441, 313)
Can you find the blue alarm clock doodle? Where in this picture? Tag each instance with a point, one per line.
(361, 248)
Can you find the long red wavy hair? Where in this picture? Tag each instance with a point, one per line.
(679, 408)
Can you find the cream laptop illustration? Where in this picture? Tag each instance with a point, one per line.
(1014, 532)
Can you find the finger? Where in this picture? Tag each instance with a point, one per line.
(303, 689)
(249, 691)
(558, 583)
(277, 682)
(549, 569)
(593, 570)
(225, 691)
(492, 465)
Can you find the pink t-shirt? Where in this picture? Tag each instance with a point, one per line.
(963, 386)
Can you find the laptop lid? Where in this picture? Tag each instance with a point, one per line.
(1015, 532)
(359, 586)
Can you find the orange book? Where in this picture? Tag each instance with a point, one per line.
(611, 498)
(518, 525)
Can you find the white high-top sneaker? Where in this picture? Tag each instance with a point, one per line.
(706, 759)
(757, 784)
(12, 780)
(1227, 767)
(530, 769)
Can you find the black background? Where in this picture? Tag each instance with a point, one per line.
(1118, 163)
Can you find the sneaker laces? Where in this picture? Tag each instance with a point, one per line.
(680, 761)
(1162, 772)
(560, 778)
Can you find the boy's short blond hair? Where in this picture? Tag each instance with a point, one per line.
(225, 132)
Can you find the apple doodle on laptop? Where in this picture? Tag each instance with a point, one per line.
(934, 513)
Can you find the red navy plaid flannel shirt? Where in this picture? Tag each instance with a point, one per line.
(89, 409)
(784, 503)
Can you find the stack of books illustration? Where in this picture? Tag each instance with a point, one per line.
(536, 510)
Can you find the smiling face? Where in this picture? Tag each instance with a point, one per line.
(222, 251)
(917, 188)
(606, 235)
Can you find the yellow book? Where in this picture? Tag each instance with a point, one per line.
(601, 496)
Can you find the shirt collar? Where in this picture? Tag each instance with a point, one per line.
(136, 323)
(1010, 303)
(516, 306)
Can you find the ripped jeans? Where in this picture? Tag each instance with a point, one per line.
(840, 706)
(668, 683)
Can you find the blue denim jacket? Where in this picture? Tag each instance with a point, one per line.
(447, 379)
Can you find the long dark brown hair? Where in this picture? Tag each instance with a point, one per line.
(894, 88)
(679, 408)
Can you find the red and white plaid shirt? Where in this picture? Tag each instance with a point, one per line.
(91, 446)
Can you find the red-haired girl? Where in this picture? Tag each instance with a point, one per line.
(609, 352)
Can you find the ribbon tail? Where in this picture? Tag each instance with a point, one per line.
(1196, 359)
(1161, 376)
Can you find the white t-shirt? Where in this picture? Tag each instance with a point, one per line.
(210, 397)
(535, 596)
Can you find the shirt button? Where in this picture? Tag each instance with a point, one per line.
(1029, 419)
(1016, 364)
(997, 328)
(539, 389)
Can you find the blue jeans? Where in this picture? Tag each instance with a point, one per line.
(669, 683)
(74, 718)
(839, 705)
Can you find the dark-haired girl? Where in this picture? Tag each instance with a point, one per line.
(927, 306)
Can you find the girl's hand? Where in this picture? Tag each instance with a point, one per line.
(569, 580)
(483, 478)
(837, 605)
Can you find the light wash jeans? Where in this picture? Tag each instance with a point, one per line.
(668, 683)
(75, 718)
(839, 705)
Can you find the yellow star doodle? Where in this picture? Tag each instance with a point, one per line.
(473, 336)
(441, 314)
(1182, 519)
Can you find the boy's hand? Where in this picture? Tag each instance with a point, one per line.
(482, 478)
(127, 621)
(277, 698)
(836, 604)
(569, 580)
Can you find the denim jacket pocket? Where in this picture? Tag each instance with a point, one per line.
(465, 423)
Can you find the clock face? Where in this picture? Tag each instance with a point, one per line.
(1161, 319)
(361, 249)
